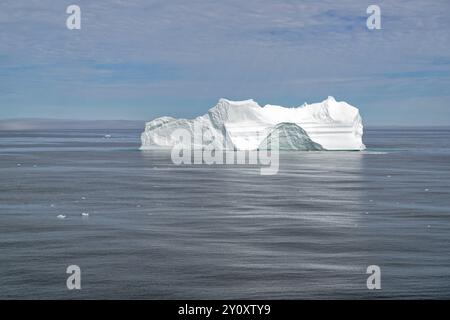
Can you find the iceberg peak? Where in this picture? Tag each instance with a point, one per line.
(237, 102)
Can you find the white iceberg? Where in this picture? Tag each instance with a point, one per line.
(245, 125)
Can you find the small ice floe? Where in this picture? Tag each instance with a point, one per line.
(85, 214)
(61, 216)
(428, 226)
(83, 198)
(370, 200)
(34, 166)
(367, 212)
(52, 205)
(388, 176)
(426, 190)
(19, 164)
(138, 206)
(107, 136)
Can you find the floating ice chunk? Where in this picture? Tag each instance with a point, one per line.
(61, 216)
(83, 198)
(19, 164)
(85, 214)
(245, 125)
(107, 136)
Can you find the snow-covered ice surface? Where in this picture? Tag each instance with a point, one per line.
(245, 125)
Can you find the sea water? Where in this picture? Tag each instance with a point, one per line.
(152, 229)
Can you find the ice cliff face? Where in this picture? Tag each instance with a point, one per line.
(244, 125)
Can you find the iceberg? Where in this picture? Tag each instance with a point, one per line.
(245, 125)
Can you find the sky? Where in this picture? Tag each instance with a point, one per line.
(137, 59)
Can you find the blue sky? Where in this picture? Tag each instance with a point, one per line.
(139, 59)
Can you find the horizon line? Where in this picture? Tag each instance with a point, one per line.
(135, 121)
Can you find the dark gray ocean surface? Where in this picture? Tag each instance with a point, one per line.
(157, 230)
